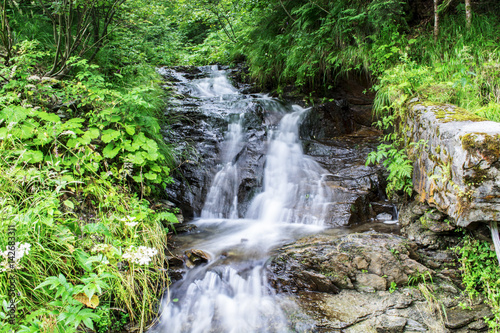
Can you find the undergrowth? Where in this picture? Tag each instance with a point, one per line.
(481, 275)
(80, 242)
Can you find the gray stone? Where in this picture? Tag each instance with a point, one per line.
(371, 281)
(414, 326)
(384, 217)
(458, 317)
(478, 325)
(333, 256)
(390, 324)
(457, 174)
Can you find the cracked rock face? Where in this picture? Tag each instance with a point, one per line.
(459, 171)
(372, 282)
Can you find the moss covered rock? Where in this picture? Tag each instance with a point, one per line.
(458, 172)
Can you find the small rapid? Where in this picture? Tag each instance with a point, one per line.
(230, 294)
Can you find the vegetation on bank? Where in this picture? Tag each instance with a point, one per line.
(398, 44)
(82, 165)
(83, 161)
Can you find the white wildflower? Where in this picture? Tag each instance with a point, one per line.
(141, 255)
(131, 224)
(127, 255)
(68, 133)
(151, 252)
(12, 257)
(99, 248)
(144, 260)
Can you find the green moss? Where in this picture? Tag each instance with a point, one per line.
(477, 178)
(447, 114)
(488, 147)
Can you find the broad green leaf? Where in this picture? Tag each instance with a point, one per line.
(130, 129)
(14, 113)
(69, 204)
(150, 175)
(109, 135)
(82, 257)
(84, 140)
(152, 156)
(32, 156)
(73, 142)
(150, 145)
(52, 117)
(3, 133)
(110, 151)
(93, 132)
(136, 158)
(155, 168)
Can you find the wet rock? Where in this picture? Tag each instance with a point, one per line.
(327, 121)
(457, 317)
(427, 227)
(384, 217)
(186, 227)
(356, 185)
(196, 257)
(369, 259)
(357, 92)
(197, 137)
(174, 261)
(414, 326)
(479, 325)
(362, 267)
(390, 324)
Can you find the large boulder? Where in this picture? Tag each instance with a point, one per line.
(373, 282)
(458, 171)
(364, 261)
(327, 121)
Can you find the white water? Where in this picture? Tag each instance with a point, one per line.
(231, 294)
(294, 191)
(222, 199)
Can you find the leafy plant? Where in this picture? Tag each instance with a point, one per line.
(393, 287)
(481, 274)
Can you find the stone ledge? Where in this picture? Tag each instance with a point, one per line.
(459, 171)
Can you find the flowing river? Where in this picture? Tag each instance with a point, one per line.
(230, 293)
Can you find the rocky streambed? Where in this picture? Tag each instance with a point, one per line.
(367, 268)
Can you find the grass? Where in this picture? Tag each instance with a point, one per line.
(77, 187)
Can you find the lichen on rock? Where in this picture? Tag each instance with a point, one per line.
(458, 173)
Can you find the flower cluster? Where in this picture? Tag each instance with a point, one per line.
(129, 221)
(12, 257)
(141, 255)
(100, 248)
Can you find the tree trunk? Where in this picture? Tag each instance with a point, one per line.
(436, 20)
(468, 14)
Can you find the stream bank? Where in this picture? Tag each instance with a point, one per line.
(364, 270)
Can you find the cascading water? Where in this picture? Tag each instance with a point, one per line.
(230, 294)
(294, 190)
(222, 199)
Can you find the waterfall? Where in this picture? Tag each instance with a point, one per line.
(294, 190)
(231, 294)
(222, 198)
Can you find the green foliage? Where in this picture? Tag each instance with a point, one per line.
(392, 153)
(461, 68)
(393, 287)
(141, 38)
(77, 158)
(481, 275)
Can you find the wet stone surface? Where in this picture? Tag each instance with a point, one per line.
(373, 282)
(368, 276)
